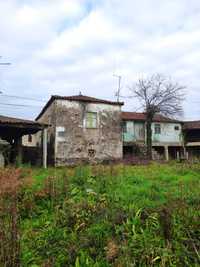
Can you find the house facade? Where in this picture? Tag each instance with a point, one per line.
(167, 138)
(191, 132)
(82, 129)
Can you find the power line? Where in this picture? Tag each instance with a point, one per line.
(21, 97)
(4, 63)
(19, 105)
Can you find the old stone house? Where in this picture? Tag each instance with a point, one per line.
(82, 128)
(167, 139)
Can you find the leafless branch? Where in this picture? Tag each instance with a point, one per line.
(158, 94)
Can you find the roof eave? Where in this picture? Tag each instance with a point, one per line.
(55, 97)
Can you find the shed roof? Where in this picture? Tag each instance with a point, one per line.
(81, 98)
(20, 122)
(141, 116)
(191, 125)
(11, 128)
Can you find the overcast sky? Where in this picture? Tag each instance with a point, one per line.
(66, 46)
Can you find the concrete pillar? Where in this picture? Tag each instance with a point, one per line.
(44, 142)
(166, 153)
(177, 155)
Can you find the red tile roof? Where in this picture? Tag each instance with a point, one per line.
(80, 98)
(16, 121)
(191, 125)
(11, 120)
(139, 116)
(88, 99)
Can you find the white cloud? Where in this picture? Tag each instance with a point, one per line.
(63, 46)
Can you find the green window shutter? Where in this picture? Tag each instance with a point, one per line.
(91, 120)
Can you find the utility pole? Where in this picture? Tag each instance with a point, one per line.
(117, 94)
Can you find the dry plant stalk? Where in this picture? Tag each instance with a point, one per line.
(10, 185)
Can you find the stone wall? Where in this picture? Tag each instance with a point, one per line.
(78, 143)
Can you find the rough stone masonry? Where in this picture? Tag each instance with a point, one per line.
(83, 131)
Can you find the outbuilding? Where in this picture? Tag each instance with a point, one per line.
(13, 129)
(191, 131)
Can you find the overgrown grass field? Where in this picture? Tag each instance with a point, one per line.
(101, 216)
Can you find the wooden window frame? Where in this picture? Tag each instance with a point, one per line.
(156, 127)
(93, 123)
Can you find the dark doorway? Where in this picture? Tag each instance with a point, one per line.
(127, 151)
(175, 152)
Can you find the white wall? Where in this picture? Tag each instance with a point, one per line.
(168, 133)
(25, 140)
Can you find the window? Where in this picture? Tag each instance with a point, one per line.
(60, 131)
(30, 138)
(124, 127)
(91, 120)
(176, 128)
(157, 128)
(61, 134)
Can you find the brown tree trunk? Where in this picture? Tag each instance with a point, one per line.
(149, 137)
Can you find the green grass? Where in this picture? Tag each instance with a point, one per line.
(111, 216)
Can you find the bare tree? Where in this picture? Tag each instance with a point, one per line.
(158, 94)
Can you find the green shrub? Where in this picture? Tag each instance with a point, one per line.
(101, 216)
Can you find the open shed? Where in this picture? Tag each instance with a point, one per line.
(191, 130)
(12, 130)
